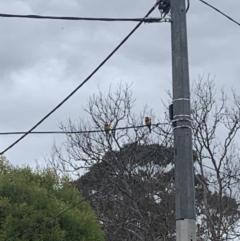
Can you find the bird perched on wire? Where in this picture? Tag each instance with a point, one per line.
(148, 123)
(107, 130)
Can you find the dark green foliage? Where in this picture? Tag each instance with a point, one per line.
(30, 198)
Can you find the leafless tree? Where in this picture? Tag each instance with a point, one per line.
(129, 171)
(216, 122)
(132, 172)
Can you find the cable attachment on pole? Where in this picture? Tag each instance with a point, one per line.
(179, 118)
(164, 7)
(182, 118)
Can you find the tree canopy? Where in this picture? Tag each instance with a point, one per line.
(141, 203)
(31, 198)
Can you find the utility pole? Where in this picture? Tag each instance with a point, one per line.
(183, 154)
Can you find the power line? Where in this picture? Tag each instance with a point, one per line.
(231, 19)
(223, 173)
(144, 20)
(188, 6)
(77, 132)
(84, 82)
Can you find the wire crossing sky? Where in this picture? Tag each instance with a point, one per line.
(77, 132)
(84, 82)
(39, 17)
(225, 15)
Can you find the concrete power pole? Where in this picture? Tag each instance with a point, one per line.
(184, 175)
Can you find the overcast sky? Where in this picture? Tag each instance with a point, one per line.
(42, 61)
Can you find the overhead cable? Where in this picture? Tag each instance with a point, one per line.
(225, 15)
(76, 132)
(84, 82)
(29, 16)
